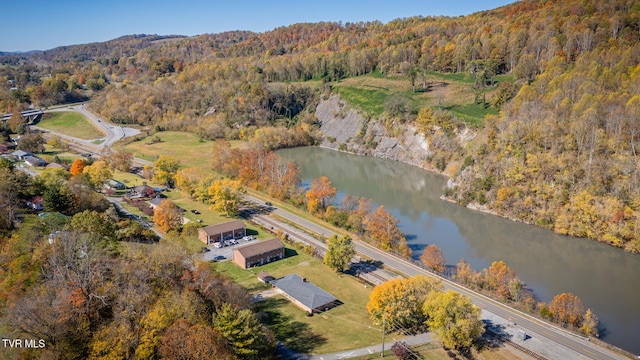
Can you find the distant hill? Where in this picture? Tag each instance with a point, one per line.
(547, 93)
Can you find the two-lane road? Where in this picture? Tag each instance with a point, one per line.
(532, 325)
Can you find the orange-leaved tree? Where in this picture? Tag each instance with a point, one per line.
(383, 230)
(77, 167)
(167, 216)
(567, 309)
(320, 194)
(432, 258)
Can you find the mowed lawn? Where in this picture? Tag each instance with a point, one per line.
(72, 124)
(188, 148)
(344, 327)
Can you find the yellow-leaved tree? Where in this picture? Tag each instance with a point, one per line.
(398, 303)
(225, 196)
(454, 318)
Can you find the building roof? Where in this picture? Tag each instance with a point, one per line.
(265, 277)
(224, 227)
(34, 160)
(21, 153)
(55, 165)
(259, 247)
(156, 201)
(303, 291)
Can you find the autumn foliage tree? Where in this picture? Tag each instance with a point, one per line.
(98, 172)
(225, 196)
(432, 257)
(567, 308)
(320, 194)
(77, 166)
(167, 216)
(382, 228)
(164, 170)
(454, 318)
(398, 302)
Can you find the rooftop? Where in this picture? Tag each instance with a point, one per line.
(303, 291)
(224, 227)
(260, 247)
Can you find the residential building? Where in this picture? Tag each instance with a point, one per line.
(220, 232)
(258, 253)
(34, 161)
(304, 294)
(114, 184)
(36, 203)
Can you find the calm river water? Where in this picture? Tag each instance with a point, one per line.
(605, 278)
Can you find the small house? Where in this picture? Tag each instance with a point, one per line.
(34, 161)
(258, 253)
(156, 201)
(304, 294)
(264, 277)
(36, 203)
(21, 154)
(55, 165)
(220, 232)
(114, 185)
(142, 191)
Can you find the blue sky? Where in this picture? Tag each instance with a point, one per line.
(45, 24)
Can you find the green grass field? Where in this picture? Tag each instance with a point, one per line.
(449, 91)
(188, 148)
(72, 124)
(344, 327)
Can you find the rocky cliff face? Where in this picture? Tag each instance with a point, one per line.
(346, 130)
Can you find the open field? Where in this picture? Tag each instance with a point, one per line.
(70, 123)
(453, 92)
(346, 326)
(188, 148)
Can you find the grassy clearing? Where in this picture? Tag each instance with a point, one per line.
(450, 91)
(72, 124)
(188, 148)
(346, 326)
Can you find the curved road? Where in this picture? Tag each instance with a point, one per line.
(532, 325)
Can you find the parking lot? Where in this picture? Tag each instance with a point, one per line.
(225, 252)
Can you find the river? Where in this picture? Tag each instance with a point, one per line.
(604, 277)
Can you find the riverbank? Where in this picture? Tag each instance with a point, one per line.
(549, 263)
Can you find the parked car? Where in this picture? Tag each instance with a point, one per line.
(248, 238)
(217, 245)
(195, 211)
(218, 258)
(268, 203)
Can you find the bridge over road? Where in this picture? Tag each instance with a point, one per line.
(29, 115)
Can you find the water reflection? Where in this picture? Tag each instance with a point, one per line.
(602, 276)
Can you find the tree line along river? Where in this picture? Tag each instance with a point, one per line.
(604, 277)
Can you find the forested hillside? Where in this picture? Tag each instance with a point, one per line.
(561, 153)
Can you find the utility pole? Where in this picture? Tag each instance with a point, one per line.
(383, 326)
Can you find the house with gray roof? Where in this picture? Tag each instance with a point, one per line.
(156, 201)
(34, 161)
(304, 294)
(21, 154)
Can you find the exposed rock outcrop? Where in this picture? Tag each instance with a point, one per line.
(346, 130)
